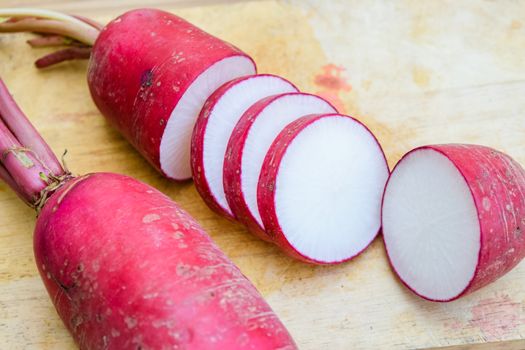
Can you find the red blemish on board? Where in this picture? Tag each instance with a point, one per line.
(496, 317)
(331, 78)
(331, 84)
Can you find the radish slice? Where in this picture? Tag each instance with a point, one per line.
(213, 128)
(321, 186)
(175, 142)
(249, 143)
(450, 216)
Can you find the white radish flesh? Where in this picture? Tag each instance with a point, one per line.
(321, 187)
(430, 225)
(175, 142)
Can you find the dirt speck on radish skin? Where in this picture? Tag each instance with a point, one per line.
(130, 322)
(486, 203)
(150, 218)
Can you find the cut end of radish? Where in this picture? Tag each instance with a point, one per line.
(279, 112)
(328, 189)
(430, 225)
(222, 114)
(175, 143)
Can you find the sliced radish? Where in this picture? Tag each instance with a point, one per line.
(453, 217)
(176, 139)
(320, 188)
(250, 141)
(213, 128)
(150, 73)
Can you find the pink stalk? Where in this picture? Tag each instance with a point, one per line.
(21, 165)
(50, 40)
(17, 19)
(57, 29)
(89, 21)
(24, 131)
(71, 53)
(28, 165)
(51, 27)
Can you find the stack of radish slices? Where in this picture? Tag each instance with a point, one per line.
(314, 182)
(286, 165)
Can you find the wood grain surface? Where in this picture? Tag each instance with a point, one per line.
(416, 72)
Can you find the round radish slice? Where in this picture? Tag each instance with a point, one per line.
(250, 140)
(320, 188)
(176, 140)
(453, 217)
(214, 126)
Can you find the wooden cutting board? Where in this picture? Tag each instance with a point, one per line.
(415, 72)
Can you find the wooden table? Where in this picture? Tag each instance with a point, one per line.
(416, 72)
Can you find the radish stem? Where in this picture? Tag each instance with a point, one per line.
(50, 40)
(89, 21)
(28, 165)
(68, 54)
(21, 165)
(63, 29)
(25, 133)
(78, 22)
(86, 36)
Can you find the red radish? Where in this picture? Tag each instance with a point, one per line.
(320, 188)
(250, 141)
(126, 268)
(214, 126)
(150, 73)
(453, 219)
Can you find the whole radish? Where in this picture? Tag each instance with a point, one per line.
(149, 73)
(453, 219)
(125, 267)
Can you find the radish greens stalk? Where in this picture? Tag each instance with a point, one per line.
(58, 29)
(28, 165)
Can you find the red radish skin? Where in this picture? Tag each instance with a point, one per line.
(141, 66)
(127, 268)
(267, 185)
(234, 159)
(272, 85)
(497, 185)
